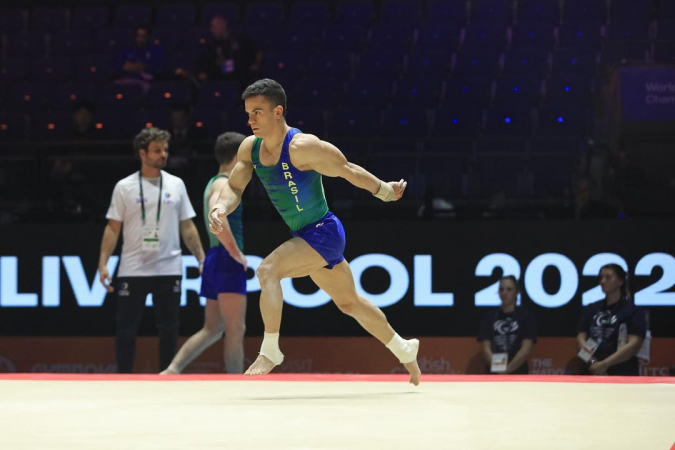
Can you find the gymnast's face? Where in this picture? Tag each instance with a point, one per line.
(263, 118)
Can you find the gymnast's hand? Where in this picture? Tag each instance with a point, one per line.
(240, 258)
(216, 217)
(399, 188)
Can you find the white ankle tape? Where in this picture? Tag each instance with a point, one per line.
(270, 348)
(405, 351)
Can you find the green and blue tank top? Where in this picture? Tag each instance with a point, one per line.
(234, 219)
(297, 195)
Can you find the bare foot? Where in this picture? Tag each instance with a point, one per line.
(412, 367)
(261, 366)
(169, 371)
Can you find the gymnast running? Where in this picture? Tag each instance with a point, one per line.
(290, 165)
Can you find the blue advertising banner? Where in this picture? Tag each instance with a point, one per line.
(648, 94)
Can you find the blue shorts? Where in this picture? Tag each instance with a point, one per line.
(327, 237)
(222, 274)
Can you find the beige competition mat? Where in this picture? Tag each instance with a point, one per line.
(335, 412)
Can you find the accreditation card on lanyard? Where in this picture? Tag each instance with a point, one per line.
(589, 348)
(150, 233)
(500, 361)
(591, 345)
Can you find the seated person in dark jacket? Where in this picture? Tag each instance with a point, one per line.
(186, 135)
(611, 331)
(142, 62)
(84, 125)
(183, 128)
(507, 333)
(231, 56)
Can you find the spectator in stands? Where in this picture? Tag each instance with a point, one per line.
(84, 127)
(611, 331)
(586, 207)
(185, 135)
(67, 190)
(507, 333)
(68, 197)
(631, 182)
(231, 56)
(142, 62)
(183, 129)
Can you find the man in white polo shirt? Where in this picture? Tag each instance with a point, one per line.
(154, 207)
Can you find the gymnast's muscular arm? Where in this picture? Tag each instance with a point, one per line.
(308, 152)
(230, 195)
(225, 237)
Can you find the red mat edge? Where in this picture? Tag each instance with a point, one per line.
(338, 378)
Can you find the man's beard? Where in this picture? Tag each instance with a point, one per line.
(158, 164)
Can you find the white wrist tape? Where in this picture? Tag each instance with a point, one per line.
(270, 348)
(385, 193)
(405, 351)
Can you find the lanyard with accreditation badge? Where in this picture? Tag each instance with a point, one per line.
(150, 234)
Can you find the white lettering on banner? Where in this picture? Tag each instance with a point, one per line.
(92, 294)
(660, 87)
(424, 295)
(569, 280)
(592, 269)
(660, 99)
(51, 279)
(544, 366)
(190, 284)
(9, 281)
(398, 278)
(658, 93)
(297, 366)
(654, 295)
(654, 371)
(429, 365)
(433, 365)
(486, 267)
(86, 294)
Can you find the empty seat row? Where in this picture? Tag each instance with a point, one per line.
(351, 38)
(362, 12)
(293, 65)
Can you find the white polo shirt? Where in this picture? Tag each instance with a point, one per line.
(126, 208)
